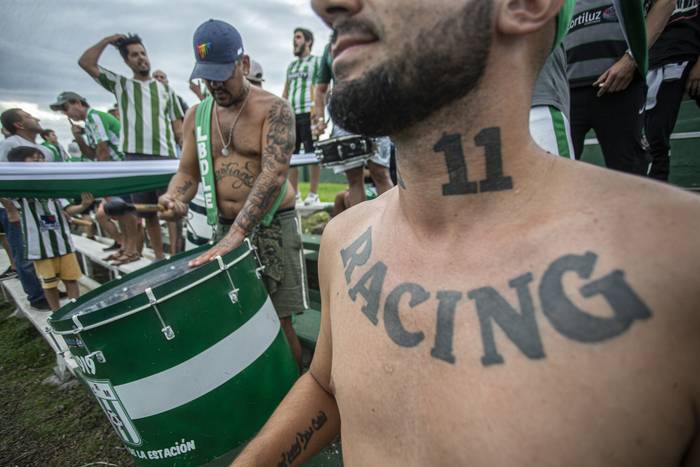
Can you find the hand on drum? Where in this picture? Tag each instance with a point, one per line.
(173, 209)
(229, 243)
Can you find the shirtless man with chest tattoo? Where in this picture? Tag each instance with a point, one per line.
(502, 306)
(247, 136)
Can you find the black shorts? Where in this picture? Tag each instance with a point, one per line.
(304, 136)
(145, 197)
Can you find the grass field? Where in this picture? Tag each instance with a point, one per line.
(46, 425)
(326, 191)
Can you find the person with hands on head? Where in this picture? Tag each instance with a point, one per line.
(151, 117)
(245, 136)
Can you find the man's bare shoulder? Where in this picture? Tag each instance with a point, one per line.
(352, 222)
(267, 102)
(632, 201)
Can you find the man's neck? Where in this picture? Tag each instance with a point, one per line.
(139, 77)
(464, 165)
(29, 136)
(304, 54)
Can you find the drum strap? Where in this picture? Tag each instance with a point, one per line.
(202, 121)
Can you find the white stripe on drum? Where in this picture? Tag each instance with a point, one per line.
(202, 373)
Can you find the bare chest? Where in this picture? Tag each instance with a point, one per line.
(459, 355)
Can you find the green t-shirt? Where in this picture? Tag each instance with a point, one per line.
(325, 70)
(56, 151)
(101, 127)
(147, 110)
(302, 76)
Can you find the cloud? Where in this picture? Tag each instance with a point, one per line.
(41, 41)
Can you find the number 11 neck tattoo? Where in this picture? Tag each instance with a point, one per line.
(226, 144)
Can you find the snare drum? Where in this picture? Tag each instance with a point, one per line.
(187, 364)
(344, 149)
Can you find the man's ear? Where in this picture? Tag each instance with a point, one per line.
(245, 65)
(520, 17)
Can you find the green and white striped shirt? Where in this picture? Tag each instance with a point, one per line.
(101, 127)
(45, 228)
(147, 110)
(302, 76)
(59, 155)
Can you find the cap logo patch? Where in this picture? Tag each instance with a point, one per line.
(203, 49)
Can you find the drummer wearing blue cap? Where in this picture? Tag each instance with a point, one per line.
(238, 143)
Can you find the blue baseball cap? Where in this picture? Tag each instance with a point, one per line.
(217, 47)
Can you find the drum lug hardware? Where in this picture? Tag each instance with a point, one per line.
(233, 295)
(166, 330)
(97, 355)
(259, 271)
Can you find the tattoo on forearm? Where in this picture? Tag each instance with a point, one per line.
(491, 307)
(184, 188)
(243, 174)
(459, 184)
(302, 440)
(275, 159)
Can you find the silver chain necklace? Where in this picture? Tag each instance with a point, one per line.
(225, 144)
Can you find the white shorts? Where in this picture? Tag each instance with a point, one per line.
(551, 130)
(382, 156)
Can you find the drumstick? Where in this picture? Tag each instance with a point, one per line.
(118, 207)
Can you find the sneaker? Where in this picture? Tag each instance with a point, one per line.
(8, 274)
(114, 246)
(311, 199)
(41, 304)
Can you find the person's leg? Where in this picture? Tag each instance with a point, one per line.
(580, 117)
(108, 226)
(379, 164)
(618, 124)
(72, 288)
(25, 269)
(340, 203)
(356, 186)
(47, 270)
(175, 236)
(8, 250)
(154, 235)
(660, 121)
(315, 178)
(292, 339)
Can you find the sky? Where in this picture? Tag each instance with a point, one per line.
(41, 41)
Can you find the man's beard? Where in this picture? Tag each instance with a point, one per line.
(433, 70)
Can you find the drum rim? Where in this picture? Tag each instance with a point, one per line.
(62, 324)
(342, 138)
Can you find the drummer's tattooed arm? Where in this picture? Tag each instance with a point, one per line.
(512, 310)
(450, 145)
(276, 153)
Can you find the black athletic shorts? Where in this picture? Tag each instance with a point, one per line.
(304, 136)
(145, 197)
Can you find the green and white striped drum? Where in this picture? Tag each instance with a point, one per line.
(188, 364)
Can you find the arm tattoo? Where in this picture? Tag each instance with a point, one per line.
(517, 316)
(301, 442)
(184, 188)
(279, 144)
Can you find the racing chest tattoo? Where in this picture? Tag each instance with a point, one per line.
(518, 322)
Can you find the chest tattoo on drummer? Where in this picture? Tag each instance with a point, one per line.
(243, 174)
(512, 310)
(450, 145)
(302, 439)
